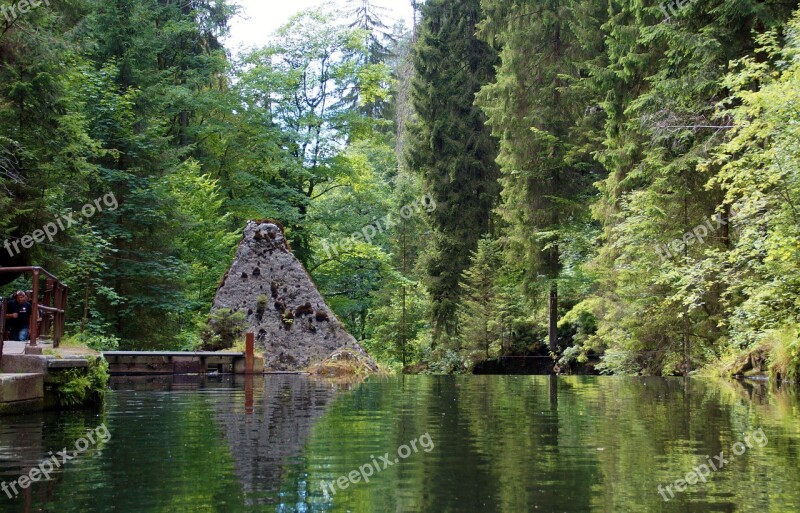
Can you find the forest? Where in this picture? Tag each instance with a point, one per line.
(608, 183)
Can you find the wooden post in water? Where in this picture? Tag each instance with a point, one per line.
(249, 365)
(249, 356)
(552, 327)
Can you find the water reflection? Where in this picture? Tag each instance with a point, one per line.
(501, 444)
(271, 430)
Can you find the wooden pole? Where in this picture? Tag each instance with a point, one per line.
(249, 354)
(2, 326)
(34, 321)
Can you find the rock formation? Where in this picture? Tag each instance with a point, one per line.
(292, 324)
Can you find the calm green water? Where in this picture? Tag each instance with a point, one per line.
(494, 444)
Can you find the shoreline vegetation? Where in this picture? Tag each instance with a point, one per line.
(606, 188)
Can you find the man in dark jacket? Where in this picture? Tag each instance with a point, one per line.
(18, 316)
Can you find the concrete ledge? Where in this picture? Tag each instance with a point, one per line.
(24, 364)
(177, 362)
(239, 366)
(21, 387)
(33, 364)
(23, 407)
(196, 354)
(68, 363)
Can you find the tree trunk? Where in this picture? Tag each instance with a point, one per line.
(552, 329)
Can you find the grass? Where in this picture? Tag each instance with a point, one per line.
(784, 350)
(776, 354)
(73, 346)
(344, 364)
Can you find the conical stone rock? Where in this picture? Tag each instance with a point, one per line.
(291, 322)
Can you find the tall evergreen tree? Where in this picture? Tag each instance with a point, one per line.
(660, 127)
(480, 309)
(156, 62)
(545, 124)
(452, 147)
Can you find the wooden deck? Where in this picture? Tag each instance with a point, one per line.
(176, 362)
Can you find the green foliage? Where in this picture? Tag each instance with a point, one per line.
(450, 146)
(223, 329)
(83, 386)
(205, 242)
(481, 324)
(785, 353)
(658, 90)
(100, 342)
(397, 320)
(298, 85)
(579, 137)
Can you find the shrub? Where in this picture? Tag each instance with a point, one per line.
(784, 361)
(222, 329)
(261, 303)
(79, 387)
(101, 342)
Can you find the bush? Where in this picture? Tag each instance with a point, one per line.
(784, 361)
(102, 342)
(79, 387)
(223, 328)
(93, 340)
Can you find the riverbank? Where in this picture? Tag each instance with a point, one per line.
(63, 378)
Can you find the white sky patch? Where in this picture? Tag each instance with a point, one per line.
(258, 19)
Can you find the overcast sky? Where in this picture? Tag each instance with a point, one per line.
(259, 18)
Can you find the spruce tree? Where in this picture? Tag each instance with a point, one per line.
(479, 312)
(545, 123)
(451, 146)
(661, 86)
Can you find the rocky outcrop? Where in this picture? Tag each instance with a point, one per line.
(753, 363)
(292, 324)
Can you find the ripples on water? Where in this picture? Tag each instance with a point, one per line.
(500, 444)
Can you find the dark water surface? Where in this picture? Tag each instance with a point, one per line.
(489, 444)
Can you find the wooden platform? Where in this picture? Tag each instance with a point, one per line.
(177, 362)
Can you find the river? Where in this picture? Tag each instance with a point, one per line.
(286, 443)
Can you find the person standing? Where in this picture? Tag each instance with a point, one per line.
(19, 313)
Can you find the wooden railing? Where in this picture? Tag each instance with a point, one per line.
(2, 327)
(53, 305)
